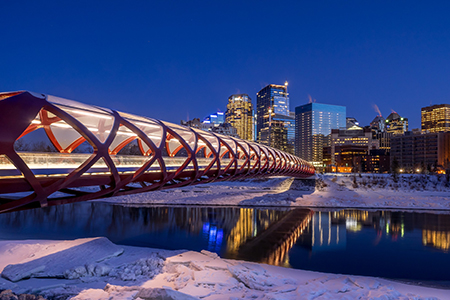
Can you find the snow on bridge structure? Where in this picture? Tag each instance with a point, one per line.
(95, 152)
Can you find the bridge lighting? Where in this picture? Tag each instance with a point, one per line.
(80, 112)
(154, 137)
(62, 125)
(126, 133)
(148, 125)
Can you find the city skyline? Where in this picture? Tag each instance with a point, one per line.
(125, 56)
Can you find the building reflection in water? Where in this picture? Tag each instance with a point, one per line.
(219, 229)
(328, 230)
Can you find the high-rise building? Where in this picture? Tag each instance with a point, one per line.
(240, 115)
(395, 124)
(436, 118)
(313, 124)
(274, 122)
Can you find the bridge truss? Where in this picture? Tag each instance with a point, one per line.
(169, 155)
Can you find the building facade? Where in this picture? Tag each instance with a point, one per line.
(274, 122)
(378, 124)
(313, 125)
(347, 149)
(413, 153)
(436, 118)
(215, 119)
(395, 124)
(240, 115)
(378, 161)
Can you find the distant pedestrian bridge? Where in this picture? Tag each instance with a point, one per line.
(56, 151)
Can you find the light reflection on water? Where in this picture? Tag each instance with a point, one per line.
(376, 243)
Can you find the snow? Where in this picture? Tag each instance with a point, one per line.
(95, 268)
(182, 275)
(335, 191)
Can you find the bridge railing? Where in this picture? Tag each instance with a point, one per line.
(169, 155)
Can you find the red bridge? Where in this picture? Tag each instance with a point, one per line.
(95, 152)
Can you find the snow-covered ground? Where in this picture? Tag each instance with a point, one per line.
(375, 191)
(95, 268)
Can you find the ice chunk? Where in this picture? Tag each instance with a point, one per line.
(71, 260)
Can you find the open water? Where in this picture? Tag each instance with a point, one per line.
(392, 244)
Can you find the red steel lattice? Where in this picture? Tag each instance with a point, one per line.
(44, 179)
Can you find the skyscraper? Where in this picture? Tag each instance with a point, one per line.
(274, 122)
(313, 124)
(436, 118)
(240, 115)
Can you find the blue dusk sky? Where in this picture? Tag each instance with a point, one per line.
(173, 59)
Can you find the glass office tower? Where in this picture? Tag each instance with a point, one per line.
(313, 124)
(274, 123)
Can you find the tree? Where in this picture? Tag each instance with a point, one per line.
(394, 169)
(21, 145)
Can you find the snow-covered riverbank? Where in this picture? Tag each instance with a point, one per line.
(95, 268)
(375, 191)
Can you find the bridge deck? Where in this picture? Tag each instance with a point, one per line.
(56, 164)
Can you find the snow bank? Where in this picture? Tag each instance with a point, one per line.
(429, 192)
(187, 275)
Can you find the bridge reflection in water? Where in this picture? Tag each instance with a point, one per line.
(231, 232)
